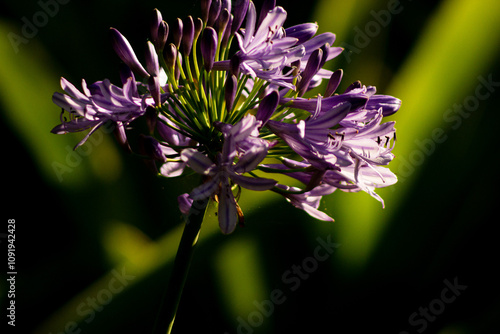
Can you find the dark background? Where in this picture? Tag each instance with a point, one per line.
(107, 214)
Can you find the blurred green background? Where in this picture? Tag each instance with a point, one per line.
(96, 232)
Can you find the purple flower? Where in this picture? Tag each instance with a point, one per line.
(225, 112)
(265, 50)
(308, 201)
(223, 173)
(97, 104)
(359, 177)
(311, 138)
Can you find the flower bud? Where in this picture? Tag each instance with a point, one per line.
(240, 10)
(198, 26)
(208, 47)
(326, 51)
(121, 136)
(267, 107)
(205, 9)
(213, 14)
(162, 36)
(126, 73)
(223, 21)
(170, 55)
(124, 50)
(227, 33)
(155, 22)
(152, 60)
(334, 82)
(187, 36)
(311, 69)
(303, 32)
(177, 33)
(226, 4)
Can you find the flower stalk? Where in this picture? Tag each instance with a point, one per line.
(180, 269)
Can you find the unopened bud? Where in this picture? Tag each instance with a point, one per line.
(334, 82)
(170, 55)
(240, 11)
(188, 35)
(213, 14)
(177, 33)
(205, 9)
(208, 47)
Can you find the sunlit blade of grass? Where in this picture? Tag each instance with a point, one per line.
(340, 17)
(241, 280)
(457, 46)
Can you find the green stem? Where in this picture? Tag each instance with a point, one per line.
(182, 261)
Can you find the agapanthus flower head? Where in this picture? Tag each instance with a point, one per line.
(224, 97)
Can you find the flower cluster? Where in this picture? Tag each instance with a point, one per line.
(238, 116)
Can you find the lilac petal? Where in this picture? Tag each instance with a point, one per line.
(75, 125)
(327, 103)
(151, 148)
(318, 41)
(97, 126)
(389, 104)
(303, 32)
(270, 25)
(247, 126)
(253, 183)
(251, 159)
(67, 103)
(267, 6)
(267, 107)
(121, 136)
(249, 27)
(333, 52)
(227, 213)
(205, 190)
(185, 203)
(315, 213)
(69, 88)
(172, 169)
(124, 50)
(197, 161)
(330, 118)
